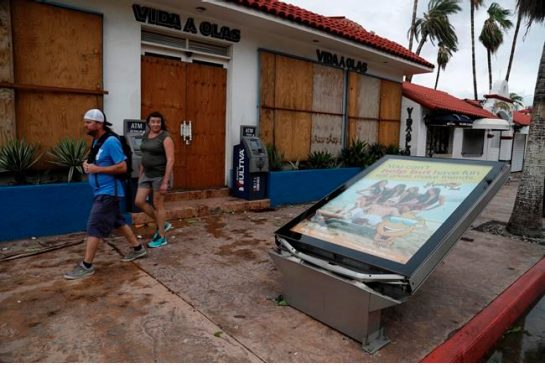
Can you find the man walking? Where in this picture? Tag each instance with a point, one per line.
(106, 160)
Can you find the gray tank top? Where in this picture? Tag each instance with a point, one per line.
(154, 159)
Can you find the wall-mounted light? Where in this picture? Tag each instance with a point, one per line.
(200, 9)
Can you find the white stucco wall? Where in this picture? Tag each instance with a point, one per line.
(122, 50)
(419, 130)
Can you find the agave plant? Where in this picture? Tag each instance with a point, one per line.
(18, 156)
(275, 158)
(376, 151)
(320, 160)
(69, 153)
(356, 154)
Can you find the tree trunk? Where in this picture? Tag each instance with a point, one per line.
(519, 18)
(489, 70)
(526, 218)
(413, 21)
(437, 78)
(418, 50)
(473, 52)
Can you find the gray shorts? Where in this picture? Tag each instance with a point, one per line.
(105, 215)
(152, 182)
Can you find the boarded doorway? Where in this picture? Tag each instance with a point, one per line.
(192, 93)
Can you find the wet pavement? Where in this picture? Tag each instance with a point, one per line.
(209, 295)
(525, 340)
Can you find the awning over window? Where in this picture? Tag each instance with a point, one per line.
(450, 119)
(490, 123)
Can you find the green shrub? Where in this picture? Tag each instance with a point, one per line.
(18, 157)
(356, 154)
(320, 160)
(275, 158)
(69, 153)
(376, 151)
(393, 150)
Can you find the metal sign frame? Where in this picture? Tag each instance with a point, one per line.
(424, 260)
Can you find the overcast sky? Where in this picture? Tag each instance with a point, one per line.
(391, 19)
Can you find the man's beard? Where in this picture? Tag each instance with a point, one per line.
(92, 133)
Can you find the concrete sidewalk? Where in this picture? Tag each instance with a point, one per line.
(209, 296)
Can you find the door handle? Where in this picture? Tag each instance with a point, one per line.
(186, 132)
(182, 130)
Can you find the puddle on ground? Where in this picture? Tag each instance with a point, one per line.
(214, 226)
(525, 341)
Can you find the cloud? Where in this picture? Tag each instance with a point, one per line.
(391, 19)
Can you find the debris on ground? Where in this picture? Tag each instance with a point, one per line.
(498, 228)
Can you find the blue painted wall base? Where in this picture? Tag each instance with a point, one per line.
(303, 186)
(44, 210)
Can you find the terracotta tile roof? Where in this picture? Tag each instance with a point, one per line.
(337, 26)
(440, 100)
(499, 97)
(522, 117)
(473, 102)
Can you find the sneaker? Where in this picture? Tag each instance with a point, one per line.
(133, 255)
(168, 226)
(79, 272)
(161, 241)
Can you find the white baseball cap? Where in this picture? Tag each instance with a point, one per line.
(96, 115)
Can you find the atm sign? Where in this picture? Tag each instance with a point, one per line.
(136, 126)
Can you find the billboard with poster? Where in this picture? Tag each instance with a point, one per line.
(396, 213)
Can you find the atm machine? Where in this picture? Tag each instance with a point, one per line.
(250, 166)
(372, 242)
(133, 130)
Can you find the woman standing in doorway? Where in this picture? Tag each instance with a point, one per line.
(156, 173)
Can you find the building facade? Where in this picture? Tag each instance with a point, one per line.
(309, 82)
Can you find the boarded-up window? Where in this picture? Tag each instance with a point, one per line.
(302, 107)
(363, 108)
(390, 113)
(57, 70)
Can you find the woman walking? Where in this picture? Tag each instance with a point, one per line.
(155, 173)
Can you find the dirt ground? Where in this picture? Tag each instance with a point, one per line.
(209, 296)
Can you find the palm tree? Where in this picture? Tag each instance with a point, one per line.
(492, 36)
(435, 25)
(413, 21)
(513, 46)
(517, 100)
(443, 56)
(475, 5)
(526, 218)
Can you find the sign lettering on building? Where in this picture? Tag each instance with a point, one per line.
(346, 63)
(144, 14)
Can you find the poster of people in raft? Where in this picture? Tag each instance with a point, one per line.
(392, 211)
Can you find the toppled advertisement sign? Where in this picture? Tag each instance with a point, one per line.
(384, 231)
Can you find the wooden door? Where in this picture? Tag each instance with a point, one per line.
(189, 92)
(163, 87)
(205, 155)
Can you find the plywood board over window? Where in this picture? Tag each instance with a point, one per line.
(267, 79)
(390, 113)
(55, 48)
(327, 107)
(292, 134)
(286, 104)
(293, 84)
(363, 107)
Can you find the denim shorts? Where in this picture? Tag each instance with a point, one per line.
(105, 216)
(152, 182)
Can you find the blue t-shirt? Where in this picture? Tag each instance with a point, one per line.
(111, 153)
